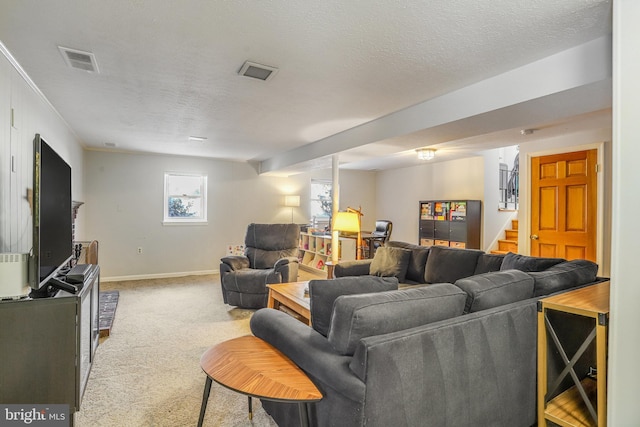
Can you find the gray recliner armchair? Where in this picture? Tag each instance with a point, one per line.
(270, 256)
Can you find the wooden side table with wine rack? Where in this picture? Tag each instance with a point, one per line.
(577, 395)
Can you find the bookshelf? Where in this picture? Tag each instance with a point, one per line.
(315, 251)
(453, 223)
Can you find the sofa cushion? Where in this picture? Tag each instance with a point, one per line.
(493, 289)
(417, 260)
(528, 263)
(322, 294)
(390, 262)
(358, 316)
(450, 264)
(488, 263)
(563, 276)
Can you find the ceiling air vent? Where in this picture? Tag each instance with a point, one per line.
(78, 59)
(257, 71)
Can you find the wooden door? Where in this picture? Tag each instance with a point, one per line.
(563, 205)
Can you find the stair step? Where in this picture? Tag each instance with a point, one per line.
(514, 224)
(508, 245)
(497, 252)
(511, 235)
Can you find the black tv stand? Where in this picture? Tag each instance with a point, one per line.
(48, 345)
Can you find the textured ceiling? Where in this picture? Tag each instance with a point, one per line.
(168, 69)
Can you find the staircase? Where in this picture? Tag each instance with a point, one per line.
(510, 242)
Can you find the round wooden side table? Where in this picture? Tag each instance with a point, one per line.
(255, 368)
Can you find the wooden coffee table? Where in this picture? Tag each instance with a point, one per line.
(255, 368)
(292, 299)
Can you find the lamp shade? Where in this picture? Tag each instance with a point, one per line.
(347, 221)
(292, 201)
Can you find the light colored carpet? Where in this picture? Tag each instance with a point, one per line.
(147, 372)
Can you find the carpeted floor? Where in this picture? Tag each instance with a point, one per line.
(147, 372)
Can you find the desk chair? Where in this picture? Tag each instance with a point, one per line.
(380, 236)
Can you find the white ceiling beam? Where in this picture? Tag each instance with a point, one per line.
(587, 65)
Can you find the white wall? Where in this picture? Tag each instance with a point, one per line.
(124, 209)
(32, 114)
(624, 346)
(399, 191)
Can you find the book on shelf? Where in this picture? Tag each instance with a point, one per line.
(458, 211)
(426, 211)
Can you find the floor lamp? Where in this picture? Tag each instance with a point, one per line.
(349, 222)
(292, 202)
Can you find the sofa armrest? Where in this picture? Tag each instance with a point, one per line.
(288, 269)
(352, 268)
(234, 262)
(309, 350)
(284, 262)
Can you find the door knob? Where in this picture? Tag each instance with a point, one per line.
(534, 237)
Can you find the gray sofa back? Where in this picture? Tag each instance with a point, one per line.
(447, 265)
(472, 370)
(363, 315)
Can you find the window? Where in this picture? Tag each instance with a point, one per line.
(321, 202)
(185, 198)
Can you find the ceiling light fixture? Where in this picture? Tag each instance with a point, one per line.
(197, 138)
(257, 71)
(426, 153)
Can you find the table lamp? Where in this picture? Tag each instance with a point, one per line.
(349, 222)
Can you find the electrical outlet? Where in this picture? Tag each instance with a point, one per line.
(139, 249)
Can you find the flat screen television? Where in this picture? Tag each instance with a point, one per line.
(52, 214)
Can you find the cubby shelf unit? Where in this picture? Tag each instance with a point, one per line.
(316, 250)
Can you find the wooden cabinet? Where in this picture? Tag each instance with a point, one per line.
(316, 250)
(454, 223)
(572, 357)
(48, 346)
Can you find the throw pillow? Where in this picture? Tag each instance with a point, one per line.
(417, 260)
(359, 316)
(528, 263)
(323, 293)
(490, 290)
(390, 262)
(450, 264)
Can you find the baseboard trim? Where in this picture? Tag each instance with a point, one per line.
(158, 275)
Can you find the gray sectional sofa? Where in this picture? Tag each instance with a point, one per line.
(454, 346)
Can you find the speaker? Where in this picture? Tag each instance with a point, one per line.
(14, 280)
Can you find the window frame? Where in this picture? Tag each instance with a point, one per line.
(199, 220)
(313, 198)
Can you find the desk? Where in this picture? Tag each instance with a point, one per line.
(255, 368)
(370, 239)
(367, 239)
